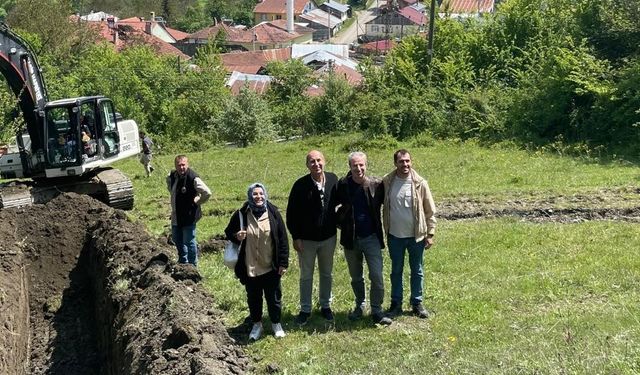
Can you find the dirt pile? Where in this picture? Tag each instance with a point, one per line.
(85, 291)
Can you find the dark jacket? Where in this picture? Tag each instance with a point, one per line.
(310, 217)
(374, 193)
(187, 212)
(279, 239)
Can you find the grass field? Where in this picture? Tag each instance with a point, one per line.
(506, 296)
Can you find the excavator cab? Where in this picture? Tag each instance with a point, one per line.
(84, 133)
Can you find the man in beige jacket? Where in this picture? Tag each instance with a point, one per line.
(409, 222)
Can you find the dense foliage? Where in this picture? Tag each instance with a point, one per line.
(562, 74)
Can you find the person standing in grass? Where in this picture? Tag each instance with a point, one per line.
(263, 258)
(359, 198)
(312, 223)
(188, 193)
(146, 154)
(409, 222)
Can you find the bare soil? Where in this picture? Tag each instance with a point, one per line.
(85, 291)
(622, 204)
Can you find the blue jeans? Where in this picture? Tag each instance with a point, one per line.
(367, 248)
(323, 250)
(185, 240)
(415, 249)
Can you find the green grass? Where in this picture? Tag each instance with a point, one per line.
(506, 296)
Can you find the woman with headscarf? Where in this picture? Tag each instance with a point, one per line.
(263, 257)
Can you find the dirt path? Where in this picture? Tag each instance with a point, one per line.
(604, 204)
(350, 34)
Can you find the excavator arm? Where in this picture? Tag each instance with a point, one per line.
(19, 66)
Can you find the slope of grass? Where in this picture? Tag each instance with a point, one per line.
(505, 296)
(453, 169)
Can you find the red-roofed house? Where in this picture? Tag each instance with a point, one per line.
(122, 36)
(396, 24)
(266, 35)
(271, 10)
(176, 34)
(253, 62)
(466, 8)
(150, 26)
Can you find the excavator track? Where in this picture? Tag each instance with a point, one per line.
(107, 185)
(15, 195)
(118, 189)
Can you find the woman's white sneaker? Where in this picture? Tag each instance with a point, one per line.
(256, 331)
(278, 332)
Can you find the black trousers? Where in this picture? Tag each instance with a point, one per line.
(269, 285)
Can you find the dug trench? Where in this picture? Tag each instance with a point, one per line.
(83, 290)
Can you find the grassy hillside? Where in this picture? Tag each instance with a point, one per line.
(506, 295)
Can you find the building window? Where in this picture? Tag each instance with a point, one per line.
(278, 17)
(263, 17)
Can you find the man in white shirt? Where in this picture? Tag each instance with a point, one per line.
(410, 224)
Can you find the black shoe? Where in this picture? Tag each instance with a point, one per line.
(379, 318)
(327, 313)
(355, 314)
(302, 318)
(419, 311)
(394, 310)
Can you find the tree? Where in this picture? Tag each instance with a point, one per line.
(246, 118)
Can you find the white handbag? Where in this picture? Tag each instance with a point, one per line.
(232, 250)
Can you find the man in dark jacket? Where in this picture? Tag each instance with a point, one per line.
(312, 224)
(188, 193)
(359, 198)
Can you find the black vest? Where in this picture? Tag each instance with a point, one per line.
(187, 212)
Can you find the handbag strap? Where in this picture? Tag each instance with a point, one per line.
(241, 220)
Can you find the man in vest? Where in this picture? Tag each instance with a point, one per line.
(188, 193)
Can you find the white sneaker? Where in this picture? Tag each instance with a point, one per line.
(278, 332)
(256, 331)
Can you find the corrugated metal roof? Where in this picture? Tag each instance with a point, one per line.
(321, 17)
(97, 17)
(298, 50)
(254, 82)
(325, 56)
(337, 6)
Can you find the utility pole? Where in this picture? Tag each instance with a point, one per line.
(432, 21)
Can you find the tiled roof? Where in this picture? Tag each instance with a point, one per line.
(269, 33)
(282, 24)
(252, 62)
(279, 6)
(134, 36)
(379, 45)
(176, 34)
(414, 15)
(232, 34)
(467, 6)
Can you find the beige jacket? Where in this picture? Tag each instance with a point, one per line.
(424, 209)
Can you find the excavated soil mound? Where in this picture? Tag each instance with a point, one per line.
(85, 291)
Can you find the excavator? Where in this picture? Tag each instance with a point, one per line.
(66, 145)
